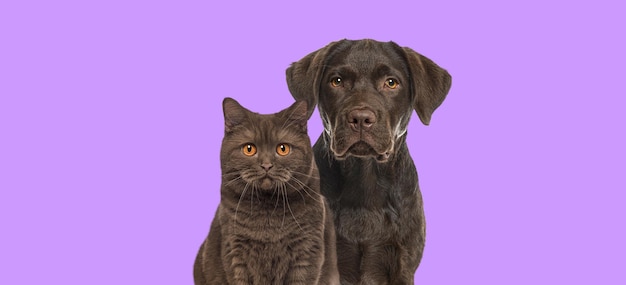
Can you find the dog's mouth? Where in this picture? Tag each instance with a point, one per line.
(362, 149)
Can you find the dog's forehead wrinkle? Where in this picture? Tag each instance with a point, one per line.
(382, 69)
(341, 70)
(363, 85)
(365, 64)
(370, 68)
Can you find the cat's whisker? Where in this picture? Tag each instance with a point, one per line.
(253, 191)
(277, 199)
(299, 187)
(233, 180)
(235, 171)
(306, 189)
(305, 174)
(289, 207)
(245, 188)
(302, 176)
(283, 191)
(296, 188)
(302, 184)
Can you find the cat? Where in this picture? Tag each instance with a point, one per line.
(272, 225)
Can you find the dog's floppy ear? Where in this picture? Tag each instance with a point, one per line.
(303, 77)
(430, 84)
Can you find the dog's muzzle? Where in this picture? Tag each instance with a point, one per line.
(360, 135)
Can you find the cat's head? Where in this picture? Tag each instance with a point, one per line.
(266, 151)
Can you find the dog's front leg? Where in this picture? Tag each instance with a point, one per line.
(378, 259)
(407, 260)
(385, 264)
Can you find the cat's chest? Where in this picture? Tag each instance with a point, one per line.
(273, 228)
(268, 261)
(264, 250)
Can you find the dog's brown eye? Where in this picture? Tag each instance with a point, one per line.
(336, 81)
(283, 149)
(249, 149)
(391, 83)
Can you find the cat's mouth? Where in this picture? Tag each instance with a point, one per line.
(265, 180)
(266, 183)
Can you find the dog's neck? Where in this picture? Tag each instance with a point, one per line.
(364, 182)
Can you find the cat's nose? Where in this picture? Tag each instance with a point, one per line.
(266, 166)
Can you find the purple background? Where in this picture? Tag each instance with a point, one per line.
(110, 123)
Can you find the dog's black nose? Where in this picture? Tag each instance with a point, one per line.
(361, 119)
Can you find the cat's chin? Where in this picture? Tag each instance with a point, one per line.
(266, 184)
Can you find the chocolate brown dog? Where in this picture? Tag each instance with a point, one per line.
(366, 92)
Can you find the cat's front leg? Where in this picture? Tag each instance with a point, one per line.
(303, 273)
(240, 274)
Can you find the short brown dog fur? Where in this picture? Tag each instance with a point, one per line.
(366, 92)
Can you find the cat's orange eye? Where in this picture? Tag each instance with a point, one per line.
(391, 83)
(249, 149)
(283, 149)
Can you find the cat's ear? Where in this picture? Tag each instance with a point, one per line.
(297, 114)
(234, 113)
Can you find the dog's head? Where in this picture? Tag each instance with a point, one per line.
(366, 91)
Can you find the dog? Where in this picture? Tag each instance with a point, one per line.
(366, 91)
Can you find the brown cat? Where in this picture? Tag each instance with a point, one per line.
(272, 225)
